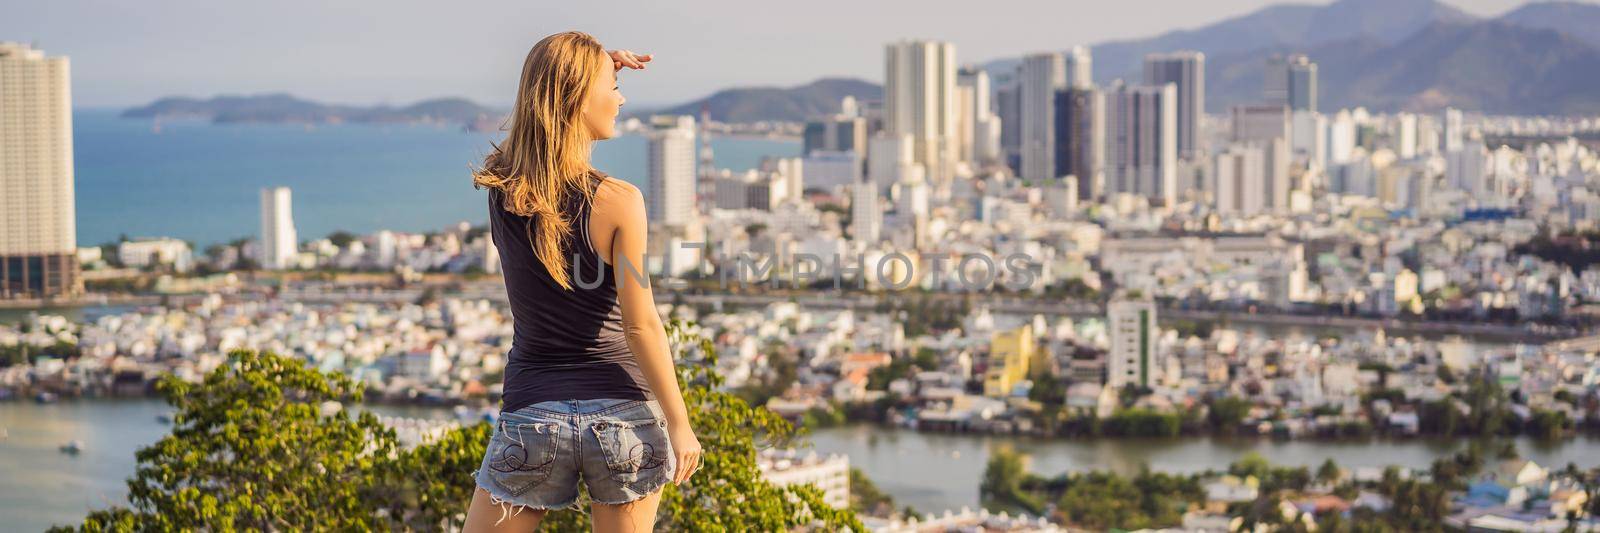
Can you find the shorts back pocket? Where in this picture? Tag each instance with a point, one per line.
(521, 454)
(634, 450)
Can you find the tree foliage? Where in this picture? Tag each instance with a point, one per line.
(253, 449)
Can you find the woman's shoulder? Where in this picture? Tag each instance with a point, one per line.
(612, 190)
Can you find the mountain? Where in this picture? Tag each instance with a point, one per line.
(287, 108)
(1389, 54)
(1286, 25)
(1494, 65)
(1577, 19)
(754, 104)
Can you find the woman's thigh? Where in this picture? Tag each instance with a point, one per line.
(484, 515)
(632, 517)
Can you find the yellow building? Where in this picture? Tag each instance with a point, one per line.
(1010, 354)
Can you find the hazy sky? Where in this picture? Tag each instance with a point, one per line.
(398, 51)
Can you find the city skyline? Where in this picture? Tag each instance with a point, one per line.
(125, 69)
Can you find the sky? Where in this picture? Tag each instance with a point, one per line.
(400, 51)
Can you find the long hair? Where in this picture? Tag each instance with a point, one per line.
(544, 159)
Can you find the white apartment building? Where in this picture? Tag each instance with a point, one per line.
(38, 219)
(672, 170)
(279, 243)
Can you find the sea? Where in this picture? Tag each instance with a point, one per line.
(194, 180)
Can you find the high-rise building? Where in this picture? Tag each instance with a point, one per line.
(1291, 81)
(1275, 80)
(1142, 141)
(1081, 139)
(972, 112)
(38, 220)
(1308, 133)
(1260, 122)
(672, 170)
(835, 133)
(1135, 357)
(1341, 138)
(280, 246)
(866, 216)
(1238, 179)
(1405, 135)
(1041, 76)
(1302, 75)
(1452, 130)
(1008, 108)
(1251, 178)
(1187, 70)
(889, 156)
(1464, 168)
(1079, 67)
(920, 100)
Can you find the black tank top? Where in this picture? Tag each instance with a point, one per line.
(566, 344)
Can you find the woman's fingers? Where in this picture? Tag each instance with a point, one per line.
(688, 463)
(626, 58)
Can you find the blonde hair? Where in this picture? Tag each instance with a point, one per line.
(544, 159)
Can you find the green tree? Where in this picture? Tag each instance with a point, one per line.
(1002, 481)
(251, 449)
(1328, 472)
(1225, 414)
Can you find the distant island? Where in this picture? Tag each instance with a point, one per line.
(284, 108)
(742, 105)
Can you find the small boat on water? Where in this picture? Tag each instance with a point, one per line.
(164, 419)
(45, 397)
(72, 447)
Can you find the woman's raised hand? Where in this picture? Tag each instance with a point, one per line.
(626, 58)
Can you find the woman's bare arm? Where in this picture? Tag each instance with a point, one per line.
(620, 238)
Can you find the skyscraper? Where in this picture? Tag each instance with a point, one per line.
(1187, 70)
(1135, 356)
(38, 221)
(1405, 135)
(1238, 180)
(1080, 132)
(1250, 178)
(1260, 122)
(919, 100)
(672, 170)
(1302, 80)
(279, 242)
(1291, 81)
(835, 133)
(1141, 141)
(972, 112)
(866, 217)
(1275, 80)
(1452, 130)
(1079, 67)
(1041, 76)
(1008, 108)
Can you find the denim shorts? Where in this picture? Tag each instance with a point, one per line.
(619, 448)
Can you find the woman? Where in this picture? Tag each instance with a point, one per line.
(590, 390)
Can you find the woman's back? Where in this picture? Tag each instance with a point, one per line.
(567, 344)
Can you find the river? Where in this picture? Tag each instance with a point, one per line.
(929, 471)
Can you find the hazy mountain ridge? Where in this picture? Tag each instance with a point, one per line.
(1577, 19)
(1283, 25)
(755, 104)
(1391, 54)
(281, 107)
(1492, 66)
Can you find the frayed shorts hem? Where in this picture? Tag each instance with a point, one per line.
(511, 502)
(642, 494)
